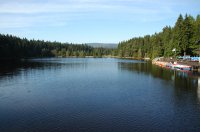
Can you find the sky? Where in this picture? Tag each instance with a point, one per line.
(90, 21)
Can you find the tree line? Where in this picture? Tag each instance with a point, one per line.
(12, 47)
(183, 38)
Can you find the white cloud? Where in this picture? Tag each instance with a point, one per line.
(30, 7)
(20, 21)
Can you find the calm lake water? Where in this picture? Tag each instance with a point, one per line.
(103, 95)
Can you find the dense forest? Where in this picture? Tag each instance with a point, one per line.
(183, 38)
(12, 47)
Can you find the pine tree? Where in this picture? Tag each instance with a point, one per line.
(196, 46)
(178, 35)
(187, 31)
(167, 40)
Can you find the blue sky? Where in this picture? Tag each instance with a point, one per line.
(86, 21)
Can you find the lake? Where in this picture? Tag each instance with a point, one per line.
(96, 95)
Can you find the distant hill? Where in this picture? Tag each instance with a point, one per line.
(103, 45)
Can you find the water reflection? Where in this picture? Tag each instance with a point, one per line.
(198, 90)
(184, 83)
(25, 67)
(180, 79)
(103, 94)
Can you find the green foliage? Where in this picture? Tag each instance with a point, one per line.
(184, 37)
(14, 47)
(177, 42)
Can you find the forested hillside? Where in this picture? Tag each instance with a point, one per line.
(15, 47)
(184, 37)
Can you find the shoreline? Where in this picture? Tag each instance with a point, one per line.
(181, 65)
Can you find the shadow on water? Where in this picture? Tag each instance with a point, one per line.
(182, 81)
(13, 68)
